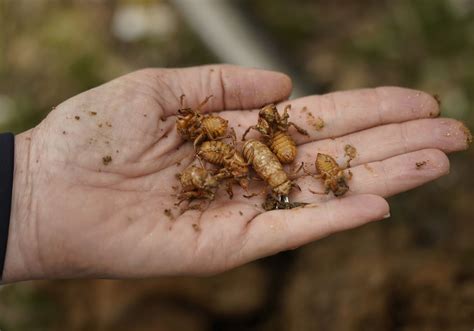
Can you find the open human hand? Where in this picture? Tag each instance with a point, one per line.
(93, 180)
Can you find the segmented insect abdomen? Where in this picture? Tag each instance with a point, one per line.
(283, 146)
(267, 166)
(326, 165)
(215, 126)
(214, 151)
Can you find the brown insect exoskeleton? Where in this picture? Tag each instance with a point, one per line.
(269, 168)
(271, 203)
(332, 174)
(196, 127)
(274, 127)
(197, 183)
(233, 165)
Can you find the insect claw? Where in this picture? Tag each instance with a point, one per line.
(182, 101)
(284, 199)
(319, 193)
(204, 102)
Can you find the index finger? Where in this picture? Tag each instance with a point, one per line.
(339, 113)
(232, 87)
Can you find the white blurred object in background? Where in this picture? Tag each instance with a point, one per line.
(132, 22)
(227, 33)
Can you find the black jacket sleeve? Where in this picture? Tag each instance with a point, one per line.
(7, 157)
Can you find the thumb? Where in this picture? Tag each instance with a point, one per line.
(280, 230)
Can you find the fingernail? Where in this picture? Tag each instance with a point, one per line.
(386, 216)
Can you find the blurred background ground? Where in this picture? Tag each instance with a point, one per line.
(412, 272)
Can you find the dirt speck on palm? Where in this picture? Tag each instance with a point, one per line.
(106, 160)
(350, 152)
(169, 214)
(316, 122)
(420, 165)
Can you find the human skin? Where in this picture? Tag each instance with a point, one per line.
(76, 216)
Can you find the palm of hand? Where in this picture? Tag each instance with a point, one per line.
(105, 164)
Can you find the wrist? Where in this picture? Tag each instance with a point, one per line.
(20, 261)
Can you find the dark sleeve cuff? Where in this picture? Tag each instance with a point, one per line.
(7, 157)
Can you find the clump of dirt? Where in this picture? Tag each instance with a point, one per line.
(169, 214)
(196, 227)
(106, 160)
(92, 113)
(350, 151)
(77, 118)
(317, 123)
(420, 165)
(468, 134)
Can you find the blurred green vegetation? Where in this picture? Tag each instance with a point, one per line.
(52, 50)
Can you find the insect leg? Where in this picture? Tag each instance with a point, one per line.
(285, 113)
(198, 157)
(198, 140)
(229, 190)
(299, 129)
(319, 193)
(203, 103)
(182, 101)
(296, 171)
(189, 195)
(308, 173)
(248, 130)
(255, 194)
(349, 175)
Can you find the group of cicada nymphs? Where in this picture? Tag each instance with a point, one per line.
(235, 163)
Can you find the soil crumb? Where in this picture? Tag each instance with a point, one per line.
(196, 227)
(106, 160)
(467, 132)
(420, 165)
(317, 123)
(240, 213)
(169, 214)
(77, 118)
(350, 152)
(369, 168)
(92, 113)
(64, 132)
